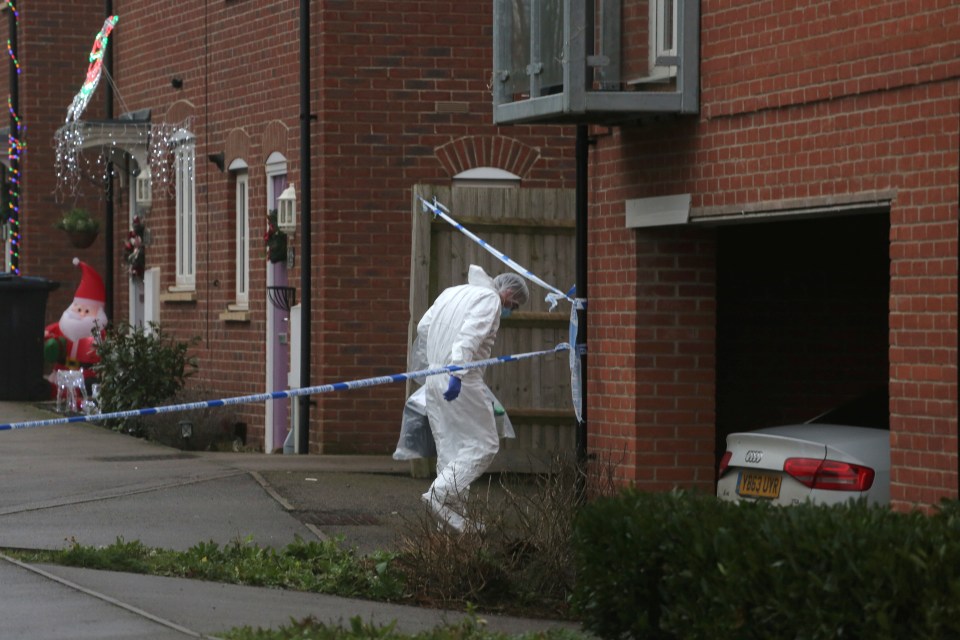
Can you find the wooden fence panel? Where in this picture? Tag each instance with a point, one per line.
(536, 228)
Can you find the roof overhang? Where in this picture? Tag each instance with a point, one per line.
(123, 138)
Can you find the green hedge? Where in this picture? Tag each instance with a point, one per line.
(685, 565)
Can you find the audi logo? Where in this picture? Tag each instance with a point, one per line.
(753, 456)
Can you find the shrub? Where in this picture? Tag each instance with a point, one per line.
(78, 219)
(321, 567)
(701, 568)
(522, 559)
(470, 628)
(213, 428)
(140, 368)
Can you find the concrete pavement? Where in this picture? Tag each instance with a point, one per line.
(86, 483)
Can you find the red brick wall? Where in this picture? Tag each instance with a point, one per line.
(395, 79)
(822, 103)
(650, 364)
(55, 40)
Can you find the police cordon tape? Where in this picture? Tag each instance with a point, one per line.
(440, 211)
(290, 393)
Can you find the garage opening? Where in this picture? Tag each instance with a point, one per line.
(802, 320)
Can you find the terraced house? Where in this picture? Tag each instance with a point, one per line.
(758, 200)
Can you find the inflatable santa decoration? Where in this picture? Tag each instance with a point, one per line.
(71, 342)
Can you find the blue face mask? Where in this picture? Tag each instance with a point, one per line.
(505, 312)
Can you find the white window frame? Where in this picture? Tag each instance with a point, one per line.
(184, 163)
(663, 16)
(242, 227)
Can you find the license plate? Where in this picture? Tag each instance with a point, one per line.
(758, 485)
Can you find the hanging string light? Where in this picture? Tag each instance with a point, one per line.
(87, 150)
(15, 148)
(13, 56)
(69, 138)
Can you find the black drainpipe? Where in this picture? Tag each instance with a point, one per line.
(306, 258)
(582, 201)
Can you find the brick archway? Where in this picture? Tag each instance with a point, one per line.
(501, 152)
(237, 146)
(276, 136)
(180, 111)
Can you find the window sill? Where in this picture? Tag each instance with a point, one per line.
(235, 315)
(179, 295)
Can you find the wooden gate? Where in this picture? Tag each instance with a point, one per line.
(535, 227)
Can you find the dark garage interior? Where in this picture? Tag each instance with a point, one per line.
(802, 320)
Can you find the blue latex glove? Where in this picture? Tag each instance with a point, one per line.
(453, 389)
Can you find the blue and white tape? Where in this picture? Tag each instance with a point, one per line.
(441, 211)
(290, 393)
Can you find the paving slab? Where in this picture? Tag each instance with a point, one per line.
(33, 606)
(176, 516)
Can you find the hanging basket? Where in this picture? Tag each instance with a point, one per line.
(82, 239)
(282, 297)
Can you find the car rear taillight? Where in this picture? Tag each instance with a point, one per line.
(724, 464)
(829, 474)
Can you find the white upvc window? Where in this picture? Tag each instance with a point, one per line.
(243, 238)
(184, 161)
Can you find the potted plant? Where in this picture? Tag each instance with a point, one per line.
(81, 227)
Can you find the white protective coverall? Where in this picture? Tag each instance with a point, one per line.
(460, 327)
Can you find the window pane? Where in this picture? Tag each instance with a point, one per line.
(185, 214)
(242, 238)
(551, 47)
(668, 25)
(191, 213)
(518, 11)
(279, 184)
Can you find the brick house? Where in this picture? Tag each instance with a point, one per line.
(772, 210)
(786, 245)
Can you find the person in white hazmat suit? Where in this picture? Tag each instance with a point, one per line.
(461, 327)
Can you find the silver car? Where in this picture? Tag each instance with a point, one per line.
(818, 461)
